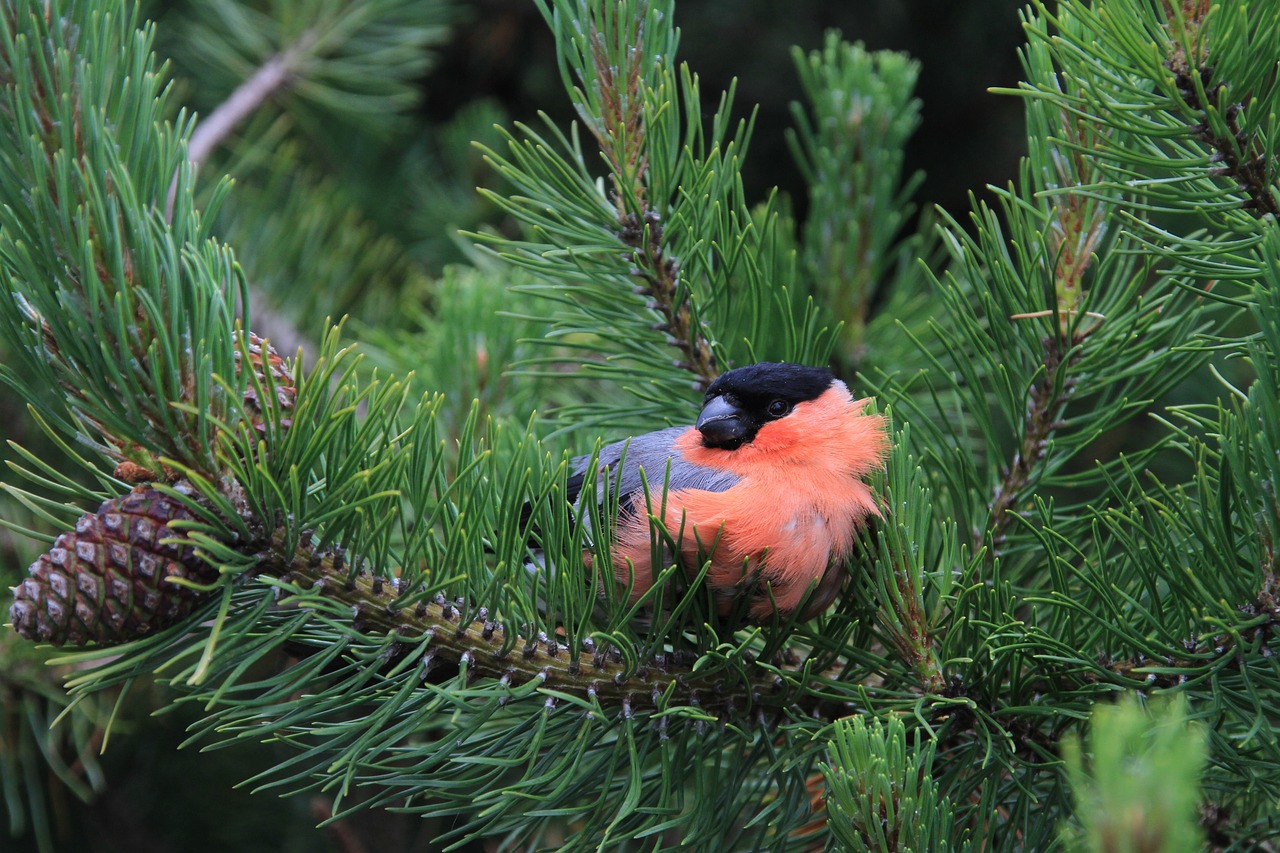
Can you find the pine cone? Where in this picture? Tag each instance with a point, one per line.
(109, 581)
(280, 376)
(139, 466)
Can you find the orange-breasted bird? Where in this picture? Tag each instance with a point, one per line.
(768, 484)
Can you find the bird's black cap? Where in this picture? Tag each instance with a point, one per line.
(771, 380)
(742, 400)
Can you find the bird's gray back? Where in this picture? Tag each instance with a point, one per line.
(650, 454)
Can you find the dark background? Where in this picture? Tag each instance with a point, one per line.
(969, 137)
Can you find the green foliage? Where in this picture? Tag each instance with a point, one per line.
(1140, 793)
(851, 152)
(403, 599)
(48, 754)
(474, 328)
(880, 791)
(312, 251)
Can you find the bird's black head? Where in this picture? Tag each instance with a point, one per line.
(742, 400)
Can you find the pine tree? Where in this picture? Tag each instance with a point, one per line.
(1062, 632)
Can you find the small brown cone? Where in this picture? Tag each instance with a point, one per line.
(263, 358)
(111, 579)
(138, 466)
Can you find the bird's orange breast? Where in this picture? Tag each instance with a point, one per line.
(793, 514)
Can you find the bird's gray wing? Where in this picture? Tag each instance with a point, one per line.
(645, 458)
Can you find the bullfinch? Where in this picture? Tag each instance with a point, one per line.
(767, 485)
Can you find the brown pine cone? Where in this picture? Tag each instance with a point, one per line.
(280, 376)
(139, 466)
(110, 580)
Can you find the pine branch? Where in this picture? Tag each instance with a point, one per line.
(135, 543)
(1242, 155)
(350, 60)
(271, 58)
(591, 674)
(271, 78)
(1167, 109)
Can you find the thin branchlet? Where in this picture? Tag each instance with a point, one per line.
(909, 629)
(1236, 154)
(1073, 233)
(661, 276)
(270, 79)
(1045, 402)
(620, 131)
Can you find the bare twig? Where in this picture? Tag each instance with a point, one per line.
(1046, 400)
(1239, 155)
(272, 77)
(342, 835)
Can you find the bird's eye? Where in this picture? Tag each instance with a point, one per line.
(778, 408)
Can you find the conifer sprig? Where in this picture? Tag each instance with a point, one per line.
(131, 315)
(665, 254)
(1138, 794)
(1065, 315)
(881, 793)
(850, 145)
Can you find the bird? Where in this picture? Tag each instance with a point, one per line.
(768, 485)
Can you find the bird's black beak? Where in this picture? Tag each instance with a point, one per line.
(722, 424)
